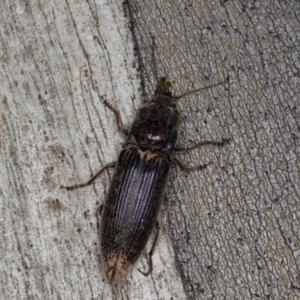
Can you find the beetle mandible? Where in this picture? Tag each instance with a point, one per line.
(137, 188)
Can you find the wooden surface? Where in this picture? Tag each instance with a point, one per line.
(234, 226)
(230, 231)
(57, 60)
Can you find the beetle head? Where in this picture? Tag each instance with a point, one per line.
(163, 94)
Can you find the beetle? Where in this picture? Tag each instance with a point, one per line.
(138, 185)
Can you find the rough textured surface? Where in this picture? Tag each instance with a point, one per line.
(57, 60)
(234, 226)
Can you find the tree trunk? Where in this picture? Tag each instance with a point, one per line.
(230, 231)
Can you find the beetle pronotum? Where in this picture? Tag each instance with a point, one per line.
(139, 181)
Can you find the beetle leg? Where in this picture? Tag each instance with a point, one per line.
(70, 188)
(117, 115)
(152, 252)
(204, 143)
(184, 168)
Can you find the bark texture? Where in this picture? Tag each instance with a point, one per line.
(234, 226)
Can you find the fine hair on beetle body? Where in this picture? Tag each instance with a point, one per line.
(140, 177)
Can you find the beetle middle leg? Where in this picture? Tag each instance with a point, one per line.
(204, 143)
(152, 252)
(90, 181)
(183, 167)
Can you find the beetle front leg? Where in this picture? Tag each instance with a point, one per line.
(152, 252)
(70, 188)
(117, 115)
(204, 143)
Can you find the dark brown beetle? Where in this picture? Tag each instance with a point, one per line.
(139, 181)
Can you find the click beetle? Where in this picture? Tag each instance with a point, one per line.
(138, 185)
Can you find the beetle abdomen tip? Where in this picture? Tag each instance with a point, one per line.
(115, 267)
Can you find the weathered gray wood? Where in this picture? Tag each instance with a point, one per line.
(234, 226)
(57, 60)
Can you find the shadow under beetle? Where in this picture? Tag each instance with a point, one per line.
(139, 181)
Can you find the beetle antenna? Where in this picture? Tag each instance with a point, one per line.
(153, 56)
(199, 90)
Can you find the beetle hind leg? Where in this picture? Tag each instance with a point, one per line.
(152, 252)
